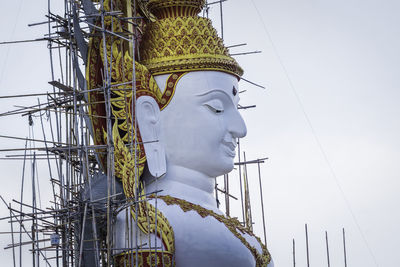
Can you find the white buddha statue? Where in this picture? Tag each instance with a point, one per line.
(188, 126)
(197, 135)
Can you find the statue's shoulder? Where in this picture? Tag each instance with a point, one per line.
(195, 225)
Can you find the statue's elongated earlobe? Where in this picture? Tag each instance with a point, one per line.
(148, 118)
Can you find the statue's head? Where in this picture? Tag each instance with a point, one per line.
(199, 128)
(200, 124)
(186, 95)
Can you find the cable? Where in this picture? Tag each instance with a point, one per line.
(292, 87)
(12, 36)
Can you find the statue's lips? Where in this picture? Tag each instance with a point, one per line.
(229, 148)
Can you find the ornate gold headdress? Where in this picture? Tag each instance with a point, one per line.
(180, 40)
(175, 40)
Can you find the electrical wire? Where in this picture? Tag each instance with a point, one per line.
(317, 140)
(12, 35)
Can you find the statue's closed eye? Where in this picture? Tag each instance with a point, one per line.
(217, 111)
(215, 106)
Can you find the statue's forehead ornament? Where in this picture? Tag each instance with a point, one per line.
(234, 91)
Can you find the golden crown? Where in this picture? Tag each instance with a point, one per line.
(180, 40)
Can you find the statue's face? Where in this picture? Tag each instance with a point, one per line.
(200, 126)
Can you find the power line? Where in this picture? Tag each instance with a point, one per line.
(12, 35)
(292, 87)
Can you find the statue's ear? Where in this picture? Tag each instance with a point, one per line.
(148, 118)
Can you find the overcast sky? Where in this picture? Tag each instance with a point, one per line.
(328, 120)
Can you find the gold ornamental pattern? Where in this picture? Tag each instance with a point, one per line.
(234, 226)
(146, 258)
(185, 44)
(113, 53)
(173, 8)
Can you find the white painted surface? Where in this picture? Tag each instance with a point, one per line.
(198, 132)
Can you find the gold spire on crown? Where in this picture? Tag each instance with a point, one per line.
(180, 40)
(174, 8)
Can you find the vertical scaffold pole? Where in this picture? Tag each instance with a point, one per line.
(226, 189)
(20, 207)
(240, 182)
(294, 253)
(344, 248)
(308, 254)
(222, 19)
(249, 219)
(33, 212)
(262, 202)
(327, 248)
(12, 235)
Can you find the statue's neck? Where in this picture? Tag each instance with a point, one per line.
(187, 184)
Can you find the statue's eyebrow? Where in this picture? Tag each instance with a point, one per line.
(212, 91)
(219, 91)
(216, 91)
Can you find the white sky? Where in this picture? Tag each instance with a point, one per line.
(342, 58)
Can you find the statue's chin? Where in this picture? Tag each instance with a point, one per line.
(220, 168)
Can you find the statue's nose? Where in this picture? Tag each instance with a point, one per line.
(236, 125)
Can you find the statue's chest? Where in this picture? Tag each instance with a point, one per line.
(204, 241)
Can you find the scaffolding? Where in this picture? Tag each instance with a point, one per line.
(81, 222)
